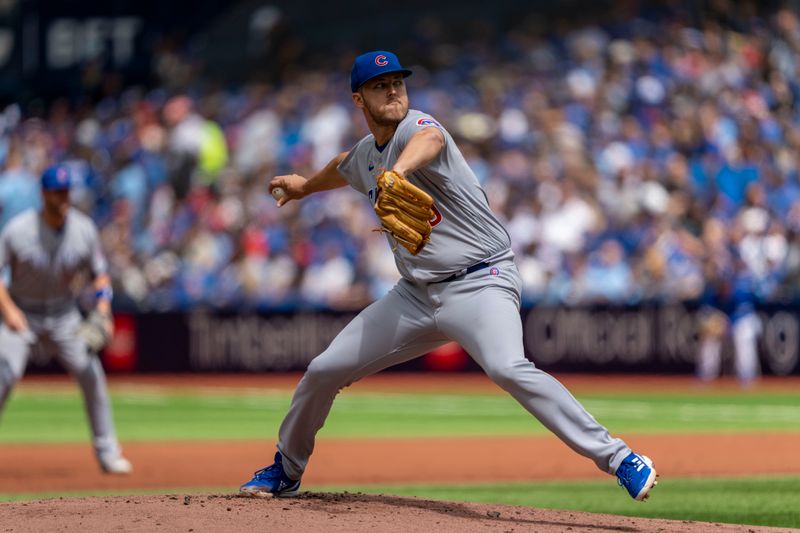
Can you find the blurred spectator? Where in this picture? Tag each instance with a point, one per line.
(19, 188)
(608, 277)
(197, 146)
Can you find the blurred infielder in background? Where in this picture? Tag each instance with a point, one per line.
(459, 283)
(51, 255)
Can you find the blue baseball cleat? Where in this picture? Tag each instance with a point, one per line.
(637, 475)
(271, 481)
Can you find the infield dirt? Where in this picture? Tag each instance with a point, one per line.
(351, 513)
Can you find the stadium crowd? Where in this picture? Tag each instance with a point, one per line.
(639, 161)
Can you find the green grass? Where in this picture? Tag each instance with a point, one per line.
(766, 501)
(40, 415)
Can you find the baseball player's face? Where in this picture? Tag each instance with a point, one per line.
(384, 98)
(56, 204)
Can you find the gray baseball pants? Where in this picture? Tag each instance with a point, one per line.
(480, 311)
(58, 334)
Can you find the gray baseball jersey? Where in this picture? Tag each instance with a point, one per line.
(477, 308)
(465, 231)
(48, 268)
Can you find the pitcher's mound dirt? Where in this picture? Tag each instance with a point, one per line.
(324, 512)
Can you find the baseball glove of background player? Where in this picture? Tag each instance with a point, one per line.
(405, 211)
(96, 330)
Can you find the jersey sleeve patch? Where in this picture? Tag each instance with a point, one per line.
(425, 122)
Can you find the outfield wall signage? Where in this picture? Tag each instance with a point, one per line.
(647, 339)
(600, 339)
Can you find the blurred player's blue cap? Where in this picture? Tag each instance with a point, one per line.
(56, 177)
(373, 64)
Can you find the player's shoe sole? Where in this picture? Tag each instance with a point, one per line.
(652, 481)
(258, 492)
(271, 482)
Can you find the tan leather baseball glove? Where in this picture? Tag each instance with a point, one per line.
(405, 211)
(96, 330)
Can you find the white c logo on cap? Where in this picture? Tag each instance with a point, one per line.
(381, 61)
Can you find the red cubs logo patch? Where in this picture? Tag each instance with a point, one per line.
(425, 122)
(437, 216)
(381, 61)
(494, 271)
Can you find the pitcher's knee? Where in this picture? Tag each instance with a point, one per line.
(513, 372)
(321, 373)
(503, 375)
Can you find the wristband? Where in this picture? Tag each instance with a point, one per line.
(104, 293)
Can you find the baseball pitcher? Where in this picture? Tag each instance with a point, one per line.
(50, 254)
(459, 283)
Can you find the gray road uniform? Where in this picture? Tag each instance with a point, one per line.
(48, 267)
(463, 286)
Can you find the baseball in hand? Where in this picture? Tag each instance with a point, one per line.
(278, 193)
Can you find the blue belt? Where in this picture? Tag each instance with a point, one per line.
(470, 270)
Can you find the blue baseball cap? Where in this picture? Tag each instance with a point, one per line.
(373, 64)
(56, 177)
